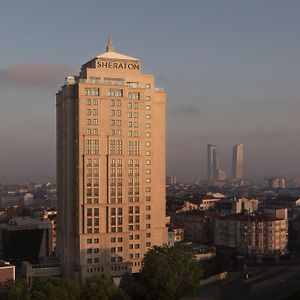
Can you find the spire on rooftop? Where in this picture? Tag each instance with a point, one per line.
(109, 47)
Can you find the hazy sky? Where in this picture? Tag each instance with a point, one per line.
(231, 70)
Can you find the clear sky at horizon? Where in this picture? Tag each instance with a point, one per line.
(231, 70)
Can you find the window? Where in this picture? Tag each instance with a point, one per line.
(89, 241)
(133, 84)
(89, 261)
(95, 101)
(148, 116)
(148, 125)
(91, 92)
(88, 112)
(88, 122)
(148, 107)
(95, 121)
(148, 144)
(115, 93)
(95, 112)
(148, 134)
(88, 101)
(148, 98)
(134, 96)
(148, 162)
(113, 240)
(89, 221)
(147, 85)
(148, 234)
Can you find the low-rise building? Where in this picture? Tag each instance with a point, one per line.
(7, 271)
(236, 205)
(25, 238)
(252, 234)
(48, 268)
(198, 225)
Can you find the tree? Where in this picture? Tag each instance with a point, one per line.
(5, 288)
(53, 288)
(134, 287)
(98, 287)
(168, 273)
(18, 291)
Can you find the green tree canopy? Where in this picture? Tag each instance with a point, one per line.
(168, 273)
(53, 288)
(99, 287)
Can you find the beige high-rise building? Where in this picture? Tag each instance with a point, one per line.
(110, 167)
(238, 162)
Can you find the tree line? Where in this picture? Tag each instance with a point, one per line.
(168, 273)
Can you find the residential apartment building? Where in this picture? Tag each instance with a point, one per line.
(252, 234)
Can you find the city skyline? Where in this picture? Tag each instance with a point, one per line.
(231, 72)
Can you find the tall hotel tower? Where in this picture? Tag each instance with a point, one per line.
(237, 162)
(110, 167)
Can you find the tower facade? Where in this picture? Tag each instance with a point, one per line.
(110, 167)
(238, 162)
(212, 163)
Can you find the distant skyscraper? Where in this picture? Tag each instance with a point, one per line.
(238, 162)
(110, 167)
(212, 163)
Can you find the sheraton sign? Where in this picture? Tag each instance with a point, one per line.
(117, 65)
